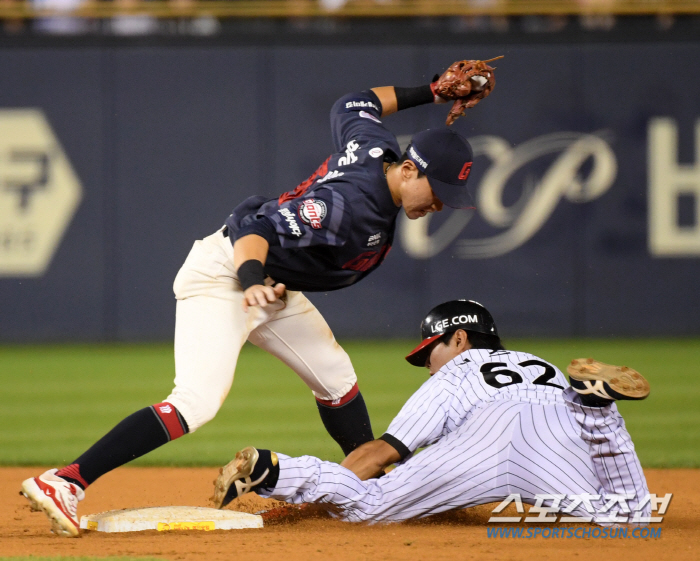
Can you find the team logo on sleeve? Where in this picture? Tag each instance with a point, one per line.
(312, 212)
(376, 152)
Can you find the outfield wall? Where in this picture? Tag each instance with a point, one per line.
(115, 158)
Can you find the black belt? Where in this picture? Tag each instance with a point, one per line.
(225, 231)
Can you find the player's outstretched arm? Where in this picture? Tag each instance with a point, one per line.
(370, 459)
(466, 82)
(395, 99)
(249, 255)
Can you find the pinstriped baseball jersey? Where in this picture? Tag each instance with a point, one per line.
(508, 447)
(511, 445)
(469, 382)
(493, 424)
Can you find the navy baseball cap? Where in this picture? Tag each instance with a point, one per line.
(445, 157)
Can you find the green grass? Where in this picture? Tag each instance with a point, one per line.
(57, 400)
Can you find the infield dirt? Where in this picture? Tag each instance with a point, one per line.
(457, 535)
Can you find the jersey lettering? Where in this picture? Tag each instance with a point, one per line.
(330, 175)
(491, 370)
(291, 221)
(355, 105)
(549, 373)
(349, 157)
(374, 239)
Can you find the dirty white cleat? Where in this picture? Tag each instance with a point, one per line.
(250, 470)
(58, 499)
(606, 381)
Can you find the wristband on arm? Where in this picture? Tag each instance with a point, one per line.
(250, 273)
(396, 444)
(412, 97)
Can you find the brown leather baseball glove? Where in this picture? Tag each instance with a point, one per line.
(467, 82)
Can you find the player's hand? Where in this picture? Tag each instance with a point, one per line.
(259, 295)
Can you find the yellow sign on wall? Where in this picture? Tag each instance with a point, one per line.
(39, 193)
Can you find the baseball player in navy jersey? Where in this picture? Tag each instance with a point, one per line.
(245, 282)
(495, 423)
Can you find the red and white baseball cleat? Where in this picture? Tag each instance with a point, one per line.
(58, 499)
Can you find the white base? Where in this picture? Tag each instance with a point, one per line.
(167, 518)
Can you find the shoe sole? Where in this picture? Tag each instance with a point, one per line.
(61, 525)
(622, 380)
(241, 466)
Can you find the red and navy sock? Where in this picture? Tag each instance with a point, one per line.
(138, 434)
(346, 419)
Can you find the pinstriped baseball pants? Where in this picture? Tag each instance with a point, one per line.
(506, 447)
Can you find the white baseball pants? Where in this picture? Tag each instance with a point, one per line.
(211, 327)
(508, 447)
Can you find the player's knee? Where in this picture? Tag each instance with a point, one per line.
(340, 386)
(196, 409)
(339, 398)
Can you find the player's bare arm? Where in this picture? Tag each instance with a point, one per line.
(370, 459)
(250, 253)
(387, 96)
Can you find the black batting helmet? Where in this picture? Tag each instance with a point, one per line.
(448, 317)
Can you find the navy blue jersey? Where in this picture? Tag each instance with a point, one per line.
(337, 226)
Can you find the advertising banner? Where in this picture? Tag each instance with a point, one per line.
(114, 160)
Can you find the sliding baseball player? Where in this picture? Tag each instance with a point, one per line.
(495, 423)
